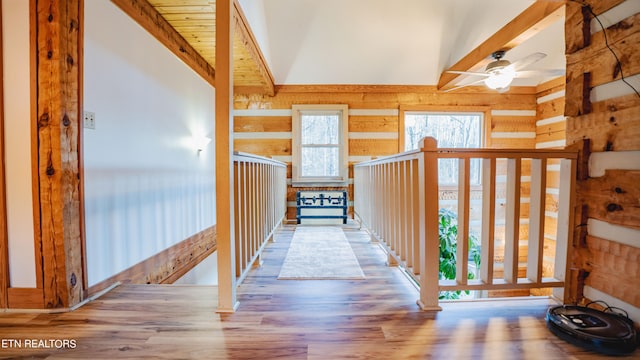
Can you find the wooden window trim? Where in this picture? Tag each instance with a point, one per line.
(342, 179)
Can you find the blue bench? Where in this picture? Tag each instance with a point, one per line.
(321, 201)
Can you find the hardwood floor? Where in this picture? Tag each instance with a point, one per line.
(375, 318)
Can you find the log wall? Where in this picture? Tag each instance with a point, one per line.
(262, 124)
(606, 111)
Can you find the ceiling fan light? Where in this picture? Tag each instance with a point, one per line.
(500, 78)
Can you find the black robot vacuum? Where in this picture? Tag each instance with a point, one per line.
(607, 332)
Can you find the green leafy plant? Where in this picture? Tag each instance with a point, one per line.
(448, 233)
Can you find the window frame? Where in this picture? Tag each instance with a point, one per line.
(486, 119)
(342, 110)
(485, 126)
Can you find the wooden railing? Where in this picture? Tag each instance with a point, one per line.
(260, 206)
(397, 199)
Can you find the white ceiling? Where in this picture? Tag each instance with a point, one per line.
(394, 42)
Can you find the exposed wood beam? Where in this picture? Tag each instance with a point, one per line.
(245, 35)
(148, 17)
(59, 59)
(534, 19)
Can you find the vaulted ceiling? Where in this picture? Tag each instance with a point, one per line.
(402, 42)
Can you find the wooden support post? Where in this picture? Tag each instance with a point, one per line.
(59, 59)
(4, 237)
(224, 161)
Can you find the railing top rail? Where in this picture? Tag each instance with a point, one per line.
(429, 146)
(247, 157)
(407, 155)
(504, 153)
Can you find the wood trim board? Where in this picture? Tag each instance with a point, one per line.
(166, 266)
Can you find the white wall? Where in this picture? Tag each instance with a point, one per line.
(147, 188)
(17, 140)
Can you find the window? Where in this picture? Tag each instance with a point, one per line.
(451, 130)
(319, 145)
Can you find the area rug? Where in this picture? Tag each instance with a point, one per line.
(320, 252)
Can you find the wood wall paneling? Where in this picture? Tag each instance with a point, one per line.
(551, 108)
(373, 124)
(603, 65)
(262, 124)
(609, 130)
(610, 125)
(611, 260)
(513, 123)
(264, 147)
(577, 21)
(614, 197)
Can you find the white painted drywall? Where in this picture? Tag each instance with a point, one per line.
(17, 142)
(146, 187)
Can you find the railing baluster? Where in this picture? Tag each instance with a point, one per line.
(395, 209)
(462, 249)
(536, 219)
(512, 230)
(415, 215)
(487, 244)
(403, 213)
(237, 196)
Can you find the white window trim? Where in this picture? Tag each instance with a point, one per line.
(296, 178)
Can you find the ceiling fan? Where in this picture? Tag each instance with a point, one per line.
(499, 73)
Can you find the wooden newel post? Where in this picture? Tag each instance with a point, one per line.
(428, 229)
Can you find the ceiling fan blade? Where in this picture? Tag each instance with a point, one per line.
(527, 60)
(541, 72)
(468, 73)
(465, 85)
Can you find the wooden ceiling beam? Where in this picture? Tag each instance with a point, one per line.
(151, 20)
(243, 31)
(531, 21)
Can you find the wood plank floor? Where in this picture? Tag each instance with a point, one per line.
(375, 318)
